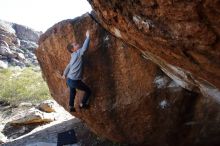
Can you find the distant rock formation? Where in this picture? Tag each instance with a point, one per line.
(133, 101)
(17, 45)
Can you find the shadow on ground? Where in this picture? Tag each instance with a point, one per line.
(48, 135)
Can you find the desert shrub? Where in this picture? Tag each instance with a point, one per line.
(22, 85)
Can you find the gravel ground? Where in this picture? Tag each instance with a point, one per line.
(46, 135)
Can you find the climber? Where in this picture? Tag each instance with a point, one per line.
(73, 72)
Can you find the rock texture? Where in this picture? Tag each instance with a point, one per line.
(32, 117)
(18, 121)
(132, 100)
(48, 106)
(17, 45)
(3, 139)
(182, 37)
(46, 134)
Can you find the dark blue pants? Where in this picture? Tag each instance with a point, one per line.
(78, 84)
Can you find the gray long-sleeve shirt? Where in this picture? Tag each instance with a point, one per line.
(74, 69)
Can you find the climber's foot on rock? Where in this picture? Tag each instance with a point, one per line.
(72, 109)
(85, 106)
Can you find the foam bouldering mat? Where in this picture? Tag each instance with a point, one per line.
(67, 137)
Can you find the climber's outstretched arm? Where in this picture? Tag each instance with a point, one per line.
(85, 44)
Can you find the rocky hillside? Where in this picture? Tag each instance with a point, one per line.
(17, 45)
(153, 67)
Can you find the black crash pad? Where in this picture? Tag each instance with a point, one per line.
(67, 137)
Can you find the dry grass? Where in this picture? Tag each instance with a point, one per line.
(22, 85)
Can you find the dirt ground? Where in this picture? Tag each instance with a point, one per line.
(47, 134)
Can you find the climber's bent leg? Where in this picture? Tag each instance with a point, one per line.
(72, 84)
(84, 87)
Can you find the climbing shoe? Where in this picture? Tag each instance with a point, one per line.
(72, 109)
(86, 106)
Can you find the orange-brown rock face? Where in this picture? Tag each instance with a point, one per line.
(182, 37)
(132, 100)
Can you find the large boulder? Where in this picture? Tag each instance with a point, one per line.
(132, 100)
(182, 37)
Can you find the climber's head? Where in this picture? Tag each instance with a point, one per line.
(72, 47)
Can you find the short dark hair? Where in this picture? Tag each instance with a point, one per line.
(69, 47)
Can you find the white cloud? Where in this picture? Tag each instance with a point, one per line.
(41, 14)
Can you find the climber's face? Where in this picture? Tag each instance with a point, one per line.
(75, 46)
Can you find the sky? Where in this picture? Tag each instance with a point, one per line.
(41, 14)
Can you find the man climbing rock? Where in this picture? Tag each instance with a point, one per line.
(74, 71)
